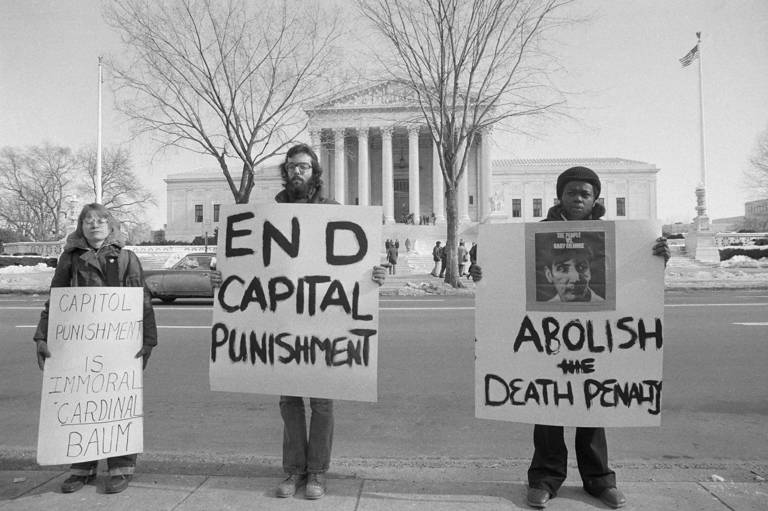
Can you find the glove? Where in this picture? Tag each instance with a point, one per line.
(42, 353)
(144, 353)
(379, 274)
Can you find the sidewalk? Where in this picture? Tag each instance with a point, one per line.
(365, 485)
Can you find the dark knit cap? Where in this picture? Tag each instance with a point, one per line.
(578, 174)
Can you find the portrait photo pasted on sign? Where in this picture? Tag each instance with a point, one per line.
(577, 338)
(297, 312)
(570, 270)
(92, 395)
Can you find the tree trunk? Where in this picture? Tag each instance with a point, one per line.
(451, 243)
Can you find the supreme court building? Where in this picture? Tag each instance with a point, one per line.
(374, 151)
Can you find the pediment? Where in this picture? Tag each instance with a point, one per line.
(386, 94)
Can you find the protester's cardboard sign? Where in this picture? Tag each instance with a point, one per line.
(91, 402)
(569, 323)
(297, 311)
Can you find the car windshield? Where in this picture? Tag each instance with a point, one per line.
(194, 263)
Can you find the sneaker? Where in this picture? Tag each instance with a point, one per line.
(315, 486)
(116, 484)
(73, 483)
(288, 487)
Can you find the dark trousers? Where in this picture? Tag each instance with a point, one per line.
(117, 465)
(302, 453)
(550, 458)
(442, 267)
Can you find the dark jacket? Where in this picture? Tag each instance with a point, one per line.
(392, 254)
(556, 214)
(436, 253)
(80, 266)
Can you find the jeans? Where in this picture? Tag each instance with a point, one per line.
(118, 465)
(550, 457)
(302, 454)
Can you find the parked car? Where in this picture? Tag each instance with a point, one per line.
(188, 278)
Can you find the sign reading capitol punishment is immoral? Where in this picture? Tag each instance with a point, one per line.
(92, 397)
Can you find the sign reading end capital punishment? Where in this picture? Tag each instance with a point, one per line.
(297, 311)
(569, 324)
(91, 401)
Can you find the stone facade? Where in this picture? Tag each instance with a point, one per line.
(376, 150)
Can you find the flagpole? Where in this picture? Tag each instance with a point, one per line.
(98, 143)
(701, 191)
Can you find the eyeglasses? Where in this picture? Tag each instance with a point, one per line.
(95, 220)
(298, 168)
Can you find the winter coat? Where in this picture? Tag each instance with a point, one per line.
(462, 253)
(556, 213)
(392, 254)
(436, 253)
(80, 266)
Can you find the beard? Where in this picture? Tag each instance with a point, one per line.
(297, 188)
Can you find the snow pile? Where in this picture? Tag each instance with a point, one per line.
(38, 268)
(741, 261)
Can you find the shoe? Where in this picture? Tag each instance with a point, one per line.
(73, 483)
(116, 484)
(288, 487)
(538, 497)
(315, 486)
(612, 497)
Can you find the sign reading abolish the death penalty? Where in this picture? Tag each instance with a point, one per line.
(91, 402)
(569, 324)
(297, 311)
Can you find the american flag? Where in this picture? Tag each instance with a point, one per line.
(690, 56)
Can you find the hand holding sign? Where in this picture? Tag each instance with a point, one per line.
(42, 353)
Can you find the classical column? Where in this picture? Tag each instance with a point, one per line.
(314, 141)
(413, 173)
(463, 189)
(363, 168)
(339, 181)
(387, 183)
(438, 188)
(486, 176)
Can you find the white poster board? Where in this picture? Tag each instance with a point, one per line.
(92, 400)
(569, 323)
(297, 311)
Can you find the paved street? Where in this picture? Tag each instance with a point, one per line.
(714, 392)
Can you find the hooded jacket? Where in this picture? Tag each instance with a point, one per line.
(80, 265)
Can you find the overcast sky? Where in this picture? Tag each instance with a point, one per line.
(633, 99)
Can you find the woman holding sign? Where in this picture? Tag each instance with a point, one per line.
(94, 256)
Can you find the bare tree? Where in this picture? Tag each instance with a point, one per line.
(35, 184)
(756, 176)
(224, 78)
(122, 193)
(470, 65)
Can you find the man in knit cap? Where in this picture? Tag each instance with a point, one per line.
(578, 189)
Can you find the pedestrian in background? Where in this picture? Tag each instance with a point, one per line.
(463, 257)
(392, 259)
(94, 255)
(436, 252)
